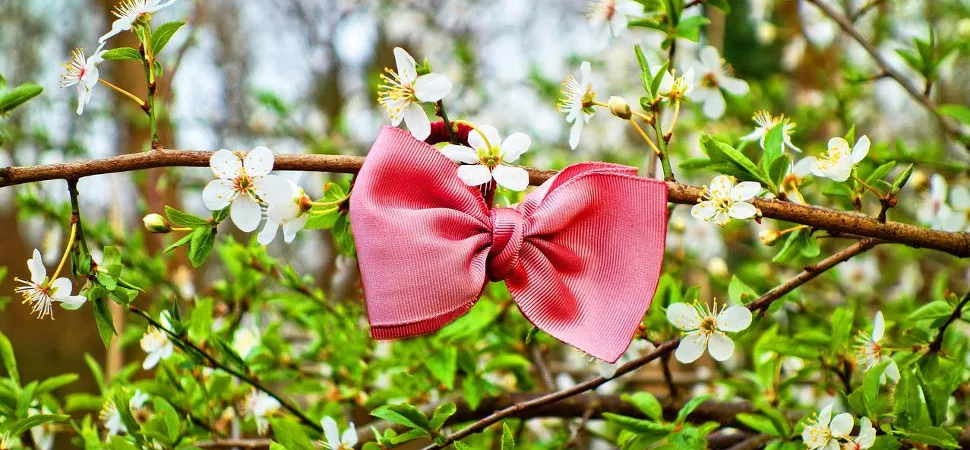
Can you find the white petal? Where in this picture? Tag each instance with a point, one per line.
(683, 316)
(878, 327)
(474, 175)
(245, 213)
(514, 178)
(72, 302)
(291, 227)
(891, 373)
(460, 153)
(666, 83)
(867, 434)
(734, 319)
(269, 232)
(838, 144)
(960, 197)
(575, 132)
(514, 146)
(758, 133)
(841, 425)
(733, 85)
(745, 190)
(122, 24)
(825, 415)
(720, 346)
(714, 105)
(349, 438)
(151, 360)
(476, 141)
(584, 70)
(225, 164)
(36, 267)
(218, 194)
(417, 121)
(742, 210)
(804, 166)
(841, 171)
(861, 149)
(431, 87)
(330, 431)
(259, 162)
(691, 347)
(703, 210)
(832, 444)
(61, 287)
(710, 58)
(406, 67)
(276, 190)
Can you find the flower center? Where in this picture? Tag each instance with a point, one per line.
(243, 183)
(709, 80)
(708, 325)
(394, 94)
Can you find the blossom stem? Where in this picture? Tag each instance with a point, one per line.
(140, 102)
(181, 229)
(440, 111)
(866, 185)
(662, 140)
(477, 130)
(673, 121)
(67, 250)
(643, 134)
(148, 61)
(333, 203)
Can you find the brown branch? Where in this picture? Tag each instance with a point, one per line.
(831, 220)
(937, 343)
(554, 399)
(845, 23)
(250, 444)
(574, 436)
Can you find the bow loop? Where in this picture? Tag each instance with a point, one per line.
(503, 255)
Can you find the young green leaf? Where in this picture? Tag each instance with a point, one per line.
(9, 360)
(646, 403)
(102, 317)
(441, 415)
(18, 96)
(163, 34)
(184, 219)
(122, 53)
(508, 440)
(203, 239)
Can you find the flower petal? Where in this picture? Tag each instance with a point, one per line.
(474, 175)
(960, 197)
(867, 434)
(122, 24)
(259, 162)
(691, 347)
(151, 360)
(330, 430)
(514, 146)
(714, 105)
(514, 178)
(745, 190)
(742, 210)
(839, 145)
(841, 171)
(878, 327)
(291, 227)
(349, 438)
(36, 267)
(72, 302)
(218, 194)
(584, 70)
(460, 153)
(276, 190)
(490, 132)
(269, 232)
(734, 319)
(683, 316)
(841, 425)
(803, 167)
(61, 287)
(703, 210)
(861, 149)
(406, 67)
(720, 346)
(733, 85)
(417, 121)
(710, 58)
(245, 213)
(225, 164)
(575, 132)
(431, 87)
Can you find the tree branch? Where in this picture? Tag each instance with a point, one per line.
(554, 399)
(845, 23)
(831, 220)
(937, 343)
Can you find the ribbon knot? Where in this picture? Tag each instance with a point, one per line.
(503, 255)
(580, 255)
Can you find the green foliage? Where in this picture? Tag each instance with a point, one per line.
(17, 96)
(122, 53)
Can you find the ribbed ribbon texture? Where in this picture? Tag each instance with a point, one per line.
(581, 254)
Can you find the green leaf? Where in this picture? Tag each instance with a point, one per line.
(184, 219)
(907, 405)
(934, 310)
(200, 321)
(56, 382)
(203, 239)
(739, 292)
(441, 415)
(19, 427)
(9, 360)
(880, 172)
(639, 425)
(122, 53)
(459, 445)
(690, 406)
(885, 442)
(322, 217)
(403, 414)
(444, 365)
(508, 441)
(646, 77)
(162, 34)
(690, 27)
(933, 436)
(646, 403)
(169, 416)
(753, 172)
(759, 423)
(182, 241)
(102, 317)
(18, 96)
(291, 435)
(110, 269)
(958, 112)
(409, 435)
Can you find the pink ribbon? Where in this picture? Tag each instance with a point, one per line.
(581, 255)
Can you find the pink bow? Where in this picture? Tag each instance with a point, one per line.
(581, 254)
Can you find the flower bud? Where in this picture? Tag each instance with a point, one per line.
(919, 181)
(620, 108)
(155, 223)
(769, 237)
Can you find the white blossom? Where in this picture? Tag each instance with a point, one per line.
(860, 274)
(866, 438)
(260, 406)
(83, 73)
(936, 213)
(111, 417)
(825, 431)
(334, 439)
(245, 339)
(486, 158)
(243, 183)
(612, 15)
(705, 329)
(288, 206)
(765, 122)
(401, 92)
(156, 343)
(576, 103)
(868, 350)
(43, 435)
(712, 78)
(130, 11)
(837, 162)
(724, 200)
(676, 88)
(41, 292)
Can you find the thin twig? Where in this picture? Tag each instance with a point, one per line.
(663, 349)
(845, 23)
(827, 219)
(541, 367)
(937, 345)
(574, 436)
(215, 363)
